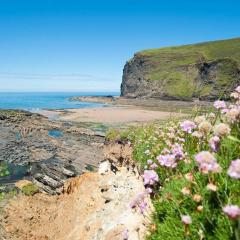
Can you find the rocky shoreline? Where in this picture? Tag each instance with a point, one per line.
(51, 151)
(146, 103)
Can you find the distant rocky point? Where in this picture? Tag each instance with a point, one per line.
(94, 99)
(204, 71)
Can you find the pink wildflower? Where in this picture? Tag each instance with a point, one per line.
(149, 161)
(189, 177)
(214, 143)
(185, 191)
(232, 211)
(233, 114)
(177, 151)
(137, 200)
(143, 206)
(237, 89)
(222, 130)
(186, 219)
(149, 190)
(125, 234)
(212, 187)
(219, 104)
(167, 160)
(234, 169)
(188, 126)
(207, 162)
(150, 177)
(197, 134)
(153, 166)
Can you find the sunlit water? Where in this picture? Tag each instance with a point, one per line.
(38, 101)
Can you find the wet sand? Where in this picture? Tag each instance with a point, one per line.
(111, 114)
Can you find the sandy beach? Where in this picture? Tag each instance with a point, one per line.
(111, 114)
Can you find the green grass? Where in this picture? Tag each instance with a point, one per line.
(4, 171)
(30, 189)
(173, 66)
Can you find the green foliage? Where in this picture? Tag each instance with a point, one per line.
(30, 189)
(4, 170)
(116, 134)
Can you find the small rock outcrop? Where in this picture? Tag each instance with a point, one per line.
(205, 71)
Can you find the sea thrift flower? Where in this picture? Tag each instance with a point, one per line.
(154, 166)
(149, 190)
(197, 198)
(197, 134)
(205, 126)
(219, 104)
(233, 114)
(186, 219)
(199, 208)
(212, 187)
(181, 140)
(189, 177)
(234, 169)
(222, 129)
(177, 151)
(150, 177)
(185, 191)
(199, 119)
(211, 117)
(232, 211)
(125, 234)
(143, 206)
(167, 160)
(237, 89)
(149, 161)
(214, 143)
(207, 162)
(187, 126)
(137, 200)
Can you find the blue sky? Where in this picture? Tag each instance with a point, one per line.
(59, 45)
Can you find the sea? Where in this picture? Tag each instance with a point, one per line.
(36, 101)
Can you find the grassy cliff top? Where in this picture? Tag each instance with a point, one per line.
(207, 50)
(172, 66)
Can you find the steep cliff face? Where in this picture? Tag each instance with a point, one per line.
(205, 71)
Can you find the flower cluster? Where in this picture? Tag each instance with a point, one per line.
(150, 177)
(232, 211)
(207, 162)
(188, 126)
(234, 169)
(188, 163)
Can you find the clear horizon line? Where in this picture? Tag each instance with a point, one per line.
(58, 91)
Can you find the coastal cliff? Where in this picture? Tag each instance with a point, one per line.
(205, 71)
